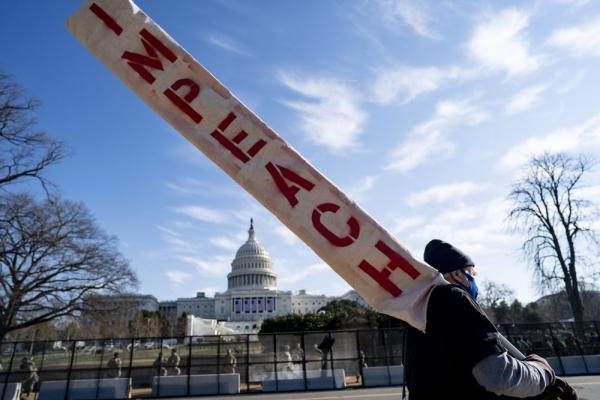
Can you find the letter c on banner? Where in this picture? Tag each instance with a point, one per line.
(327, 234)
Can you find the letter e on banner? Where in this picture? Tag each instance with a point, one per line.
(231, 144)
(382, 277)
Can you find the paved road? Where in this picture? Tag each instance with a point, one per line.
(588, 388)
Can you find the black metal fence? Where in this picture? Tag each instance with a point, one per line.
(167, 366)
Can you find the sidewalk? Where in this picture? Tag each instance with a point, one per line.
(588, 388)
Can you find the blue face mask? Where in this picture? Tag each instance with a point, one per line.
(472, 289)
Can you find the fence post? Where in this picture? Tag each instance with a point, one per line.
(189, 366)
(304, 360)
(360, 358)
(275, 361)
(9, 371)
(98, 376)
(331, 362)
(247, 363)
(219, 364)
(556, 352)
(160, 367)
(70, 370)
(386, 352)
(129, 369)
(587, 369)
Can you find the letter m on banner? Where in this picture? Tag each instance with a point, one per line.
(154, 49)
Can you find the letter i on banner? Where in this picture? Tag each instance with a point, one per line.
(195, 103)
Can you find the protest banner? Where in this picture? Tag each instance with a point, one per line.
(185, 94)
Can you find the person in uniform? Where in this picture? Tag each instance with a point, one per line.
(460, 355)
(231, 362)
(324, 349)
(31, 376)
(159, 363)
(298, 354)
(114, 366)
(173, 362)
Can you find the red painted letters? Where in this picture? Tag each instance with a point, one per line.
(383, 277)
(330, 236)
(231, 145)
(106, 18)
(140, 62)
(279, 173)
(193, 92)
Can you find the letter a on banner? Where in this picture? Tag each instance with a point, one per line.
(195, 103)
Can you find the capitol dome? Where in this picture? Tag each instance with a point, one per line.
(251, 268)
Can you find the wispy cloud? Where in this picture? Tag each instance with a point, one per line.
(227, 44)
(217, 265)
(580, 40)
(473, 227)
(333, 119)
(402, 224)
(524, 99)
(224, 243)
(197, 187)
(178, 277)
(582, 136)
(413, 13)
(403, 84)
(177, 241)
(429, 139)
(442, 193)
(360, 189)
(202, 213)
(500, 43)
(296, 275)
(288, 236)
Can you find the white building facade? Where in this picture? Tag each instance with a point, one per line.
(251, 296)
(252, 293)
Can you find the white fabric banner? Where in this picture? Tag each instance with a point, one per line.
(185, 94)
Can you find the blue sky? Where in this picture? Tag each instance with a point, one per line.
(423, 112)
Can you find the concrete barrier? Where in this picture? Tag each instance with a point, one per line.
(166, 386)
(13, 391)
(383, 376)
(294, 380)
(593, 363)
(85, 389)
(575, 365)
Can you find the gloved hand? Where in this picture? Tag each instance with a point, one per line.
(560, 389)
(568, 392)
(542, 363)
(552, 391)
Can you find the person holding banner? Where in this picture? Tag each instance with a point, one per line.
(460, 355)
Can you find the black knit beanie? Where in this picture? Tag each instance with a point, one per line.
(444, 257)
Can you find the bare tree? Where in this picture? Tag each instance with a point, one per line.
(493, 293)
(557, 221)
(24, 153)
(52, 255)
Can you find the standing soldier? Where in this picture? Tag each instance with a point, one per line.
(31, 376)
(231, 362)
(159, 363)
(298, 354)
(114, 366)
(173, 362)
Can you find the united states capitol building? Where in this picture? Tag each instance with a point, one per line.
(251, 297)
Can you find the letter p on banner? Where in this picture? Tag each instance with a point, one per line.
(185, 94)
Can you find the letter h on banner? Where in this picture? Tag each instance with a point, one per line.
(382, 277)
